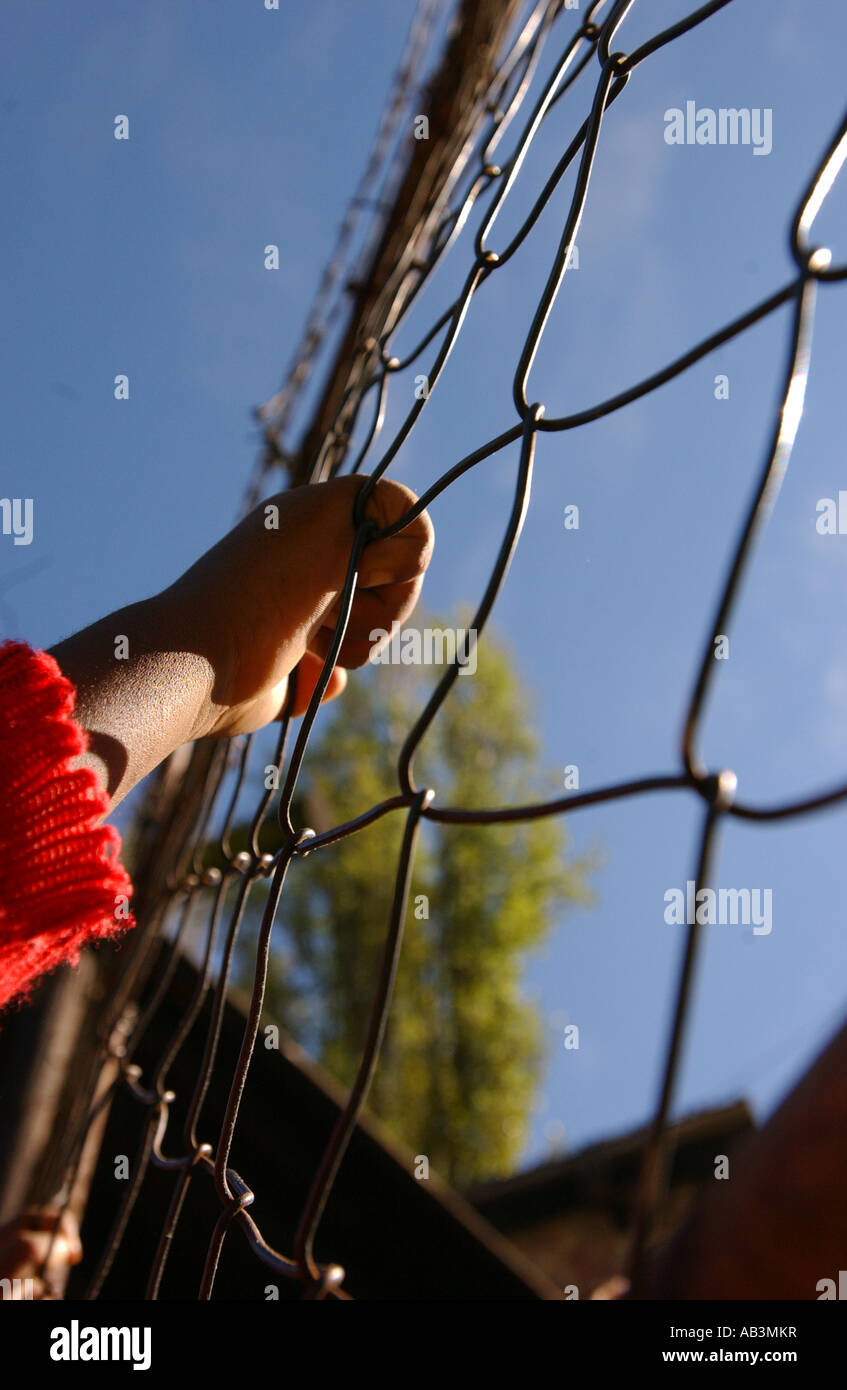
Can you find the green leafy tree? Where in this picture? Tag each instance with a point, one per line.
(462, 1053)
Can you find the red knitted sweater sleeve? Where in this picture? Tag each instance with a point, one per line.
(61, 884)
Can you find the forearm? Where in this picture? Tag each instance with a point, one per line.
(144, 686)
(212, 654)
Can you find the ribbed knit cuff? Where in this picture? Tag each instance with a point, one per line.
(61, 884)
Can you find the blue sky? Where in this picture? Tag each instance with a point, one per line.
(145, 257)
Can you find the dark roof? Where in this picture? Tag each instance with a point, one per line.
(604, 1174)
(397, 1237)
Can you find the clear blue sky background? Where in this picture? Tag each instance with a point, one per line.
(249, 127)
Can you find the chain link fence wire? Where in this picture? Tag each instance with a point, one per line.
(172, 880)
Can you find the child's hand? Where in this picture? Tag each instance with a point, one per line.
(211, 654)
(27, 1242)
(264, 600)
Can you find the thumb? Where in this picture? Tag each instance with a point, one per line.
(307, 673)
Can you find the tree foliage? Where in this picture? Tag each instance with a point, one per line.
(462, 1053)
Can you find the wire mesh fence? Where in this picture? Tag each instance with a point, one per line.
(174, 879)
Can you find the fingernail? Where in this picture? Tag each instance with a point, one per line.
(377, 579)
